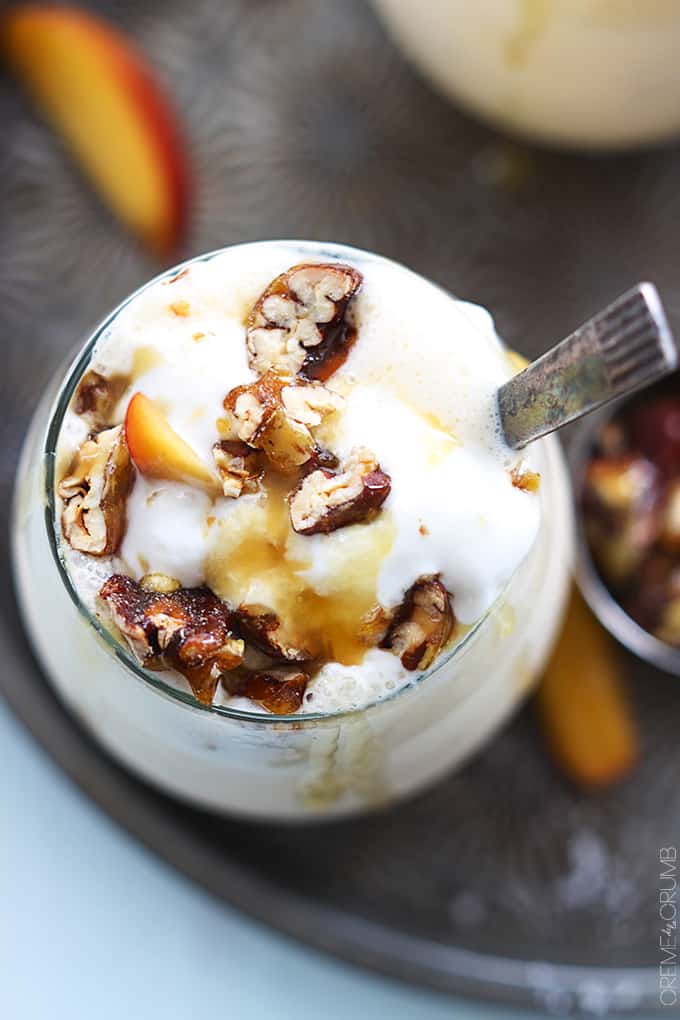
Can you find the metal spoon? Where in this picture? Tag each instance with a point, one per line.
(623, 348)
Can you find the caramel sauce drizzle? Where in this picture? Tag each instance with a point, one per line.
(256, 544)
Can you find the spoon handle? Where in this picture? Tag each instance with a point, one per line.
(624, 347)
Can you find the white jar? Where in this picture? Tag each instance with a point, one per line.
(301, 766)
(586, 73)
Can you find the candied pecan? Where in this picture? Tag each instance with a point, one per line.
(324, 501)
(620, 485)
(656, 586)
(161, 583)
(95, 492)
(260, 626)
(278, 691)
(238, 465)
(310, 403)
(188, 629)
(422, 625)
(321, 458)
(298, 324)
(620, 502)
(373, 625)
(274, 416)
(97, 395)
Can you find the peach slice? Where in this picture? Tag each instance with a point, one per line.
(97, 91)
(159, 452)
(583, 705)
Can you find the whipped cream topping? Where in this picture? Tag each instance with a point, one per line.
(419, 388)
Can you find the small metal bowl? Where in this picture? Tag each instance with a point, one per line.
(617, 621)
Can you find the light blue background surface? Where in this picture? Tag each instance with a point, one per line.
(93, 926)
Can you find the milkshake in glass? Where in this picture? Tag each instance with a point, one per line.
(593, 74)
(270, 545)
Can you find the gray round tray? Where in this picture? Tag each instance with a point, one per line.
(302, 120)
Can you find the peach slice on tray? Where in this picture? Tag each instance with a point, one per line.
(159, 452)
(100, 95)
(583, 705)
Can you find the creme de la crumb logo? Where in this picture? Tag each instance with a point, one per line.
(668, 928)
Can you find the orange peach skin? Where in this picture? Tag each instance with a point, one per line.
(96, 90)
(583, 706)
(157, 450)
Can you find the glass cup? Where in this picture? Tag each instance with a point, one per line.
(296, 767)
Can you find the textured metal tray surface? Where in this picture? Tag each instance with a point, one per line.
(303, 120)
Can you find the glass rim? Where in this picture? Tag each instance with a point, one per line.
(121, 652)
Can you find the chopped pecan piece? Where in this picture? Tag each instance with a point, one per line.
(321, 458)
(310, 403)
(422, 625)
(260, 626)
(95, 492)
(280, 692)
(298, 324)
(276, 417)
(656, 585)
(373, 626)
(188, 629)
(325, 501)
(527, 481)
(162, 584)
(620, 499)
(620, 485)
(238, 465)
(97, 395)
